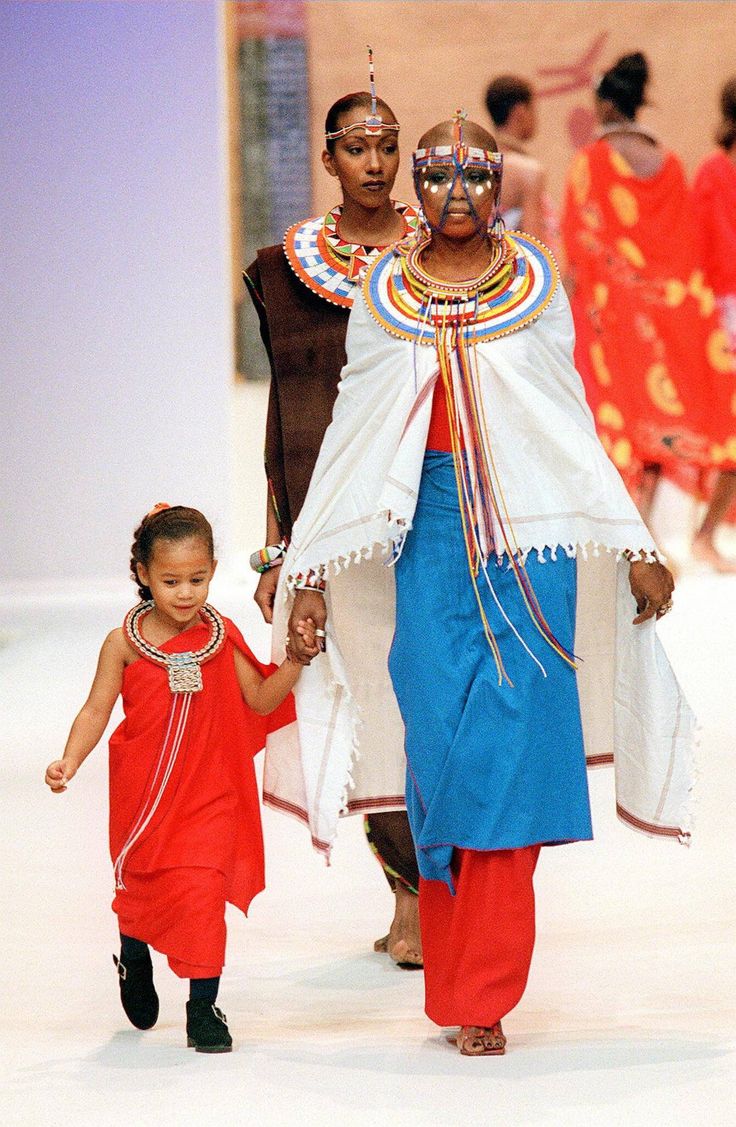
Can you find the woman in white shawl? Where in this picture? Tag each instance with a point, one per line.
(462, 451)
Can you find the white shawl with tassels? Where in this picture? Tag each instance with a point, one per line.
(561, 492)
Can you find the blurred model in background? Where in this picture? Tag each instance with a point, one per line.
(649, 344)
(525, 204)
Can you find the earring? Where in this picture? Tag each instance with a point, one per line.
(497, 227)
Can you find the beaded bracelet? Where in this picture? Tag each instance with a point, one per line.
(310, 582)
(636, 557)
(270, 556)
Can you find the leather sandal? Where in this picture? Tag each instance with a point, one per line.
(479, 1041)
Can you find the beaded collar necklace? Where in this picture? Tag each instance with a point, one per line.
(330, 265)
(513, 291)
(185, 674)
(494, 275)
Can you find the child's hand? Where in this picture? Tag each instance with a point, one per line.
(58, 774)
(306, 629)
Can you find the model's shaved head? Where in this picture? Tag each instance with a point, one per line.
(444, 134)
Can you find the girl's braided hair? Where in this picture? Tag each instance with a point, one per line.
(175, 522)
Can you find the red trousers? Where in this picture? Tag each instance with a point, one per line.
(478, 943)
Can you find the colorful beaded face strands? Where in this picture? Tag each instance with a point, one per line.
(372, 123)
(437, 171)
(513, 289)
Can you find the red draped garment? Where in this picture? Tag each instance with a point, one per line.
(201, 844)
(652, 354)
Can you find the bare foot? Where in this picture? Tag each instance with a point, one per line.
(704, 550)
(404, 940)
(381, 945)
(478, 1041)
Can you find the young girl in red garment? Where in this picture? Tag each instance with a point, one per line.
(185, 828)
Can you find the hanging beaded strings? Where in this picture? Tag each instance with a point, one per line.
(452, 309)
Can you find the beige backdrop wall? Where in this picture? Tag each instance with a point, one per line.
(432, 57)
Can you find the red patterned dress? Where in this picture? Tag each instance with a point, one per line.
(654, 358)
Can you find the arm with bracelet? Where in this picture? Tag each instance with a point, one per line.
(309, 603)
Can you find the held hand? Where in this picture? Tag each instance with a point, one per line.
(265, 592)
(652, 586)
(58, 774)
(306, 630)
(309, 606)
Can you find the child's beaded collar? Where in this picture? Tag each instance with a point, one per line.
(185, 674)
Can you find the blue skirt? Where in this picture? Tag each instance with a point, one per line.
(489, 766)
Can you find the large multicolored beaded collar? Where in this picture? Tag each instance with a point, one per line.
(185, 674)
(515, 290)
(326, 263)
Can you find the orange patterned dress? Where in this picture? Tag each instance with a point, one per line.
(655, 360)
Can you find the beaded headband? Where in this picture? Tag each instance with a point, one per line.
(373, 123)
(460, 158)
(465, 155)
(458, 153)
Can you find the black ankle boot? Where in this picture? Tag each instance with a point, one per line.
(137, 992)
(207, 1030)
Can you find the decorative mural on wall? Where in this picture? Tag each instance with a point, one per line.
(271, 182)
(554, 82)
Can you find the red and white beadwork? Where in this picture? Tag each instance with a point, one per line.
(326, 263)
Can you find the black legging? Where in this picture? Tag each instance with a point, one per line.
(203, 989)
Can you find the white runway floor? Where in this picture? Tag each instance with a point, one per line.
(629, 1013)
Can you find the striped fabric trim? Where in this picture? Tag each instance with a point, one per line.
(605, 759)
(358, 806)
(651, 827)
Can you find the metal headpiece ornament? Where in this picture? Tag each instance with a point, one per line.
(373, 123)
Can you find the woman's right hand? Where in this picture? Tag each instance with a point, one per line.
(307, 604)
(58, 774)
(265, 593)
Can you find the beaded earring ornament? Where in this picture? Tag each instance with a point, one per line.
(496, 226)
(373, 123)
